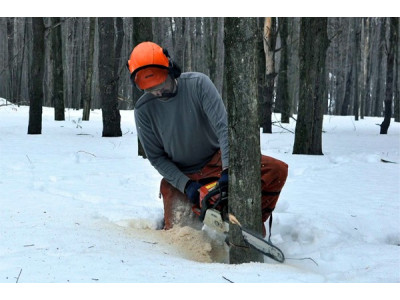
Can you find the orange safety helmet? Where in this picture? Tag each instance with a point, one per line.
(149, 65)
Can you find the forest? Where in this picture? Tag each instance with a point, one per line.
(61, 59)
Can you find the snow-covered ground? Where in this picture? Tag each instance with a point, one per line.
(76, 207)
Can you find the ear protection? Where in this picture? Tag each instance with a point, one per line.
(173, 68)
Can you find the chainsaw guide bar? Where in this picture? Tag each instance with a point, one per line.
(213, 212)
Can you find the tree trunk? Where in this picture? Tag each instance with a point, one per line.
(377, 100)
(282, 93)
(366, 58)
(393, 44)
(244, 137)
(36, 77)
(269, 48)
(87, 94)
(58, 70)
(142, 31)
(356, 65)
(349, 69)
(396, 83)
(313, 46)
(108, 79)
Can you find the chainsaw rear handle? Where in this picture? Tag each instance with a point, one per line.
(206, 203)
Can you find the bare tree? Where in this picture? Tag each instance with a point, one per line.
(313, 46)
(36, 77)
(108, 79)
(87, 92)
(282, 93)
(393, 44)
(244, 138)
(58, 69)
(269, 48)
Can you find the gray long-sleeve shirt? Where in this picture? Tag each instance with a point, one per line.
(181, 134)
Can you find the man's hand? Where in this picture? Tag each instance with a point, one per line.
(223, 181)
(192, 191)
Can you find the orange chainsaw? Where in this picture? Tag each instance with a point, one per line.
(213, 212)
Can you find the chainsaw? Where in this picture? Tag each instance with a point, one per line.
(213, 212)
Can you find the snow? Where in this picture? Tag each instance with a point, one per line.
(80, 208)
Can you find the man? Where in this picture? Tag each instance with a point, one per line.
(182, 124)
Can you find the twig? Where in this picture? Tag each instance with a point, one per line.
(304, 258)
(227, 279)
(86, 153)
(280, 125)
(152, 243)
(19, 276)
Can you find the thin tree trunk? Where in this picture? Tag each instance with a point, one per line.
(58, 71)
(36, 80)
(308, 136)
(393, 44)
(87, 95)
(108, 79)
(282, 94)
(377, 101)
(269, 48)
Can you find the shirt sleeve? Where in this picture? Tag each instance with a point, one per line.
(215, 110)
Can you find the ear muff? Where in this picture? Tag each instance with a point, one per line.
(174, 69)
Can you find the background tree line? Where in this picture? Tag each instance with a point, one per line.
(360, 53)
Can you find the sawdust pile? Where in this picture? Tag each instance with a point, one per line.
(195, 244)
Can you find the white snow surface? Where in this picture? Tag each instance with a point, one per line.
(76, 207)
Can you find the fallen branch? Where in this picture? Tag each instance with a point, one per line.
(19, 276)
(227, 279)
(86, 153)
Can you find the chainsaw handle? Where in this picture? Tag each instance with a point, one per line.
(206, 200)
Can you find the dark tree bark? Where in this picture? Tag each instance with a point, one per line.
(142, 31)
(36, 77)
(261, 71)
(58, 70)
(313, 46)
(393, 44)
(244, 137)
(108, 79)
(269, 48)
(282, 93)
(377, 100)
(356, 65)
(87, 94)
(10, 47)
(396, 83)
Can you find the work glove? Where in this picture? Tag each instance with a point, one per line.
(224, 179)
(191, 191)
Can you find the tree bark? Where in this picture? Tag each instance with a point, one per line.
(393, 44)
(269, 48)
(282, 93)
(313, 46)
(356, 65)
(142, 31)
(36, 77)
(377, 100)
(244, 137)
(108, 79)
(87, 94)
(58, 71)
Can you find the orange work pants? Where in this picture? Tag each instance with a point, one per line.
(273, 177)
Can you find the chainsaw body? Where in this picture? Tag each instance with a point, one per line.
(213, 212)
